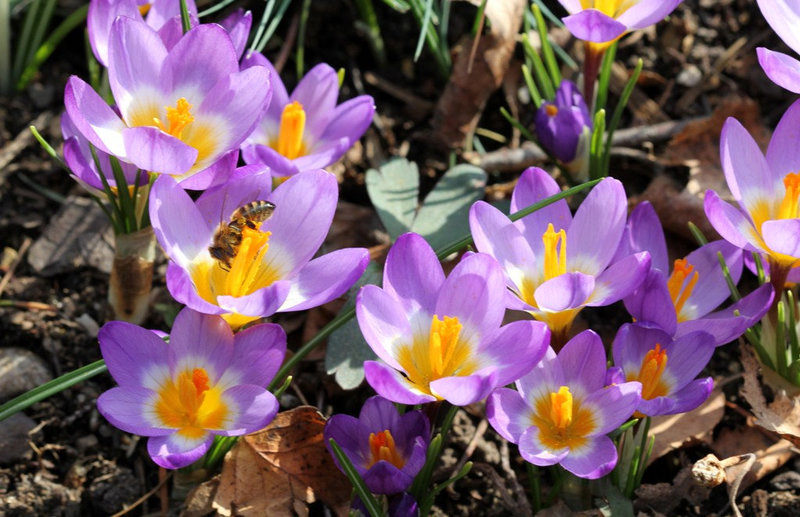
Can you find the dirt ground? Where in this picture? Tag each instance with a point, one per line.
(60, 457)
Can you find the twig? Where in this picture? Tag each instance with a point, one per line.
(145, 497)
(20, 142)
(10, 273)
(398, 93)
(473, 443)
(31, 306)
(291, 35)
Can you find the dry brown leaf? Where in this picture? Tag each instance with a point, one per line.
(279, 470)
(663, 498)
(475, 77)
(674, 431)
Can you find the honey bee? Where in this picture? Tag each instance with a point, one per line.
(228, 236)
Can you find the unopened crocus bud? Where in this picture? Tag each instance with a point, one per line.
(560, 123)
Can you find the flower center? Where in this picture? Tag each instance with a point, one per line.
(177, 118)
(551, 110)
(653, 365)
(555, 256)
(681, 284)
(190, 404)
(612, 8)
(144, 8)
(443, 354)
(561, 421)
(290, 135)
(382, 448)
(788, 208)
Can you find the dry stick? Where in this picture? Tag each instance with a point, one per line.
(146, 496)
(520, 495)
(291, 35)
(397, 92)
(7, 277)
(20, 142)
(472, 445)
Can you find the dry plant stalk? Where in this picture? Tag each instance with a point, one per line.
(132, 275)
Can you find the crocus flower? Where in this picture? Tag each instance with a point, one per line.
(272, 269)
(562, 410)
(556, 265)
(766, 189)
(305, 130)
(441, 338)
(784, 18)
(102, 13)
(205, 382)
(387, 449)
(181, 109)
(666, 368)
(562, 123)
(603, 21)
(681, 301)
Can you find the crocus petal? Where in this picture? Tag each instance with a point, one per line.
(464, 390)
(217, 204)
(350, 119)
(596, 459)
(781, 236)
(204, 56)
(597, 227)
(688, 355)
(413, 275)
(259, 353)
(151, 149)
(711, 288)
(383, 323)
(781, 69)
(215, 174)
(545, 377)
(508, 413)
(130, 409)
(172, 212)
(351, 435)
(644, 13)
(692, 395)
(567, 291)
(730, 223)
(278, 164)
(783, 16)
(783, 153)
(613, 405)
(99, 19)
(144, 364)
(260, 303)
(163, 10)
(651, 302)
(175, 451)
(390, 384)
(95, 120)
(325, 278)
(583, 359)
(238, 24)
(385, 478)
(280, 97)
(252, 408)
(620, 279)
(533, 186)
(317, 92)
(746, 170)
(534, 451)
(593, 25)
(181, 286)
(644, 233)
(515, 348)
(632, 343)
(200, 341)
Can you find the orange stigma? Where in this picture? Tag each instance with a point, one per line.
(382, 448)
(788, 208)
(561, 420)
(177, 118)
(681, 284)
(290, 136)
(653, 365)
(551, 110)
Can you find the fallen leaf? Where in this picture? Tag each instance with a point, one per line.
(674, 431)
(664, 498)
(281, 469)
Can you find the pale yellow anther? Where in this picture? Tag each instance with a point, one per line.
(383, 448)
(561, 408)
(681, 283)
(788, 208)
(555, 256)
(177, 118)
(290, 135)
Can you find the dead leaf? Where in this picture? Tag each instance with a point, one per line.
(663, 498)
(476, 76)
(281, 469)
(674, 431)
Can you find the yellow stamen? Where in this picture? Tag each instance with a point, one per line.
(290, 136)
(679, 288)
(247, 269)
(555, 258)
(190, 404)
(551, 110)
(144, 8)
(788, 208)
(382, 448)
(653, 365)
(442, 354)
(612, 8)
(177, 118)
(561, 420)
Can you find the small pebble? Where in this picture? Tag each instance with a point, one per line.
(20, 371)
(14, 437)
(689, 76)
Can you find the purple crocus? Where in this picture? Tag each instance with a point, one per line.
(272, 269)
(440, 338)
(666, 368)
(181, 109)
(555, 264)
(102, 14)
(681, 301)
(784, 18)
(562, 410)
(603, 21)
(564, 123)
(205, 382)
(766, 189)
(305, 130)
(387, 449)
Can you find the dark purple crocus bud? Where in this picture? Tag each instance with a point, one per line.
(559, 124)
(387, 449)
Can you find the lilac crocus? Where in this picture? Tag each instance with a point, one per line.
(272, 269)
(784, 18)
(562, 410)
(564, 123)
(682, 301)
(440, 338)
(766, 189)
(387, 449)
(205, 382)
(307, 129)
(555, 264)
(180, 109)
(102, 14)
(603, 21)
(665, 368)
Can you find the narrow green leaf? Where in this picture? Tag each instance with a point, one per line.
(542, 77)
(547, 50)
(367, 499)
(426, 21)
(618, 110)
(605, 77)
(186, 20)
(534, 91)
(517, 124)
